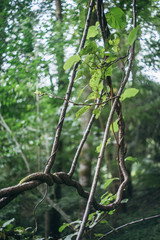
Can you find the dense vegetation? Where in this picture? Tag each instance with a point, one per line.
(68, 66)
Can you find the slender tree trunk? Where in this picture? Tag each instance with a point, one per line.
(85, 159)
(84, 165)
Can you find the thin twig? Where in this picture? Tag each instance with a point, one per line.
(99, 220)
(107, 65)
(79, 104)
(127, 224)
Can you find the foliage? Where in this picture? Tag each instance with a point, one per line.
(116, 18)
(35, 47)
(9, 231)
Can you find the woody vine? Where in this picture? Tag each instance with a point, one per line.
(100, 60)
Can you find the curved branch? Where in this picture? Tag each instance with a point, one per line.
(35, 179)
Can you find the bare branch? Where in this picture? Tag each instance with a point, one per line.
(35, 179)
(79, 104)
(68, 93)
(130, 223)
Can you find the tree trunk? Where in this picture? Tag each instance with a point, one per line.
(85, 160)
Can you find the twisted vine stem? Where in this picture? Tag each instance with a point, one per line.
(115, 107)
(35, 179)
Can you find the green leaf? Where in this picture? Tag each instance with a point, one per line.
(97, 112)
(132, 159)
(90, 47)
(69, 237)
(68, 224)
(20, 230)
(106, 199)
(94, 221)
(94, 81)
(92, 95)
(110, 57)
(114, 42)
(108, 141)
(133, 35)
(80, 92)
(104, 98)
(116, 18)
(115, 49)
(91, 215)
(128, 93)
(108, 72)
(111, 212)
(98, 234)
(38, 92)
(81, 111)
(7, 223)
(106, 194)
(89, 57)
(63, 227)
(109, 181)
(101, 52)
(100, 87)
(104, 221)
(92, 32)
(72, 60)
(98, 149)
(124, 200)
(115, 126)
(79, 74)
